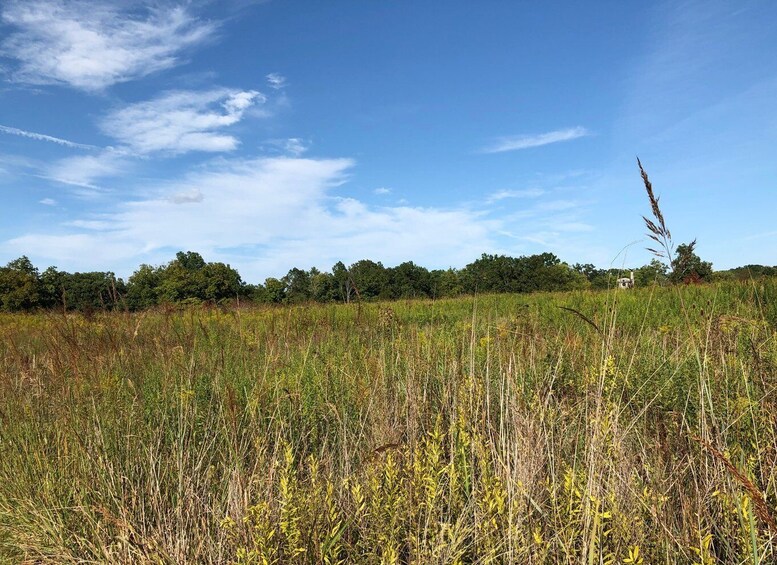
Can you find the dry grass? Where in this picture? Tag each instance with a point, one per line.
(657, 229)
(496, 430)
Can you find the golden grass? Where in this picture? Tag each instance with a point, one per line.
(499, 429)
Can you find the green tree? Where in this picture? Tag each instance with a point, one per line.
(182, 279)
(490, 273)
(177, 284)
(688, 267)
(748, 272)
(446, 283)
(187, 278)
(256, 293)
(543, 272)
(297, 283)
(91, 291)
(323, 287)
(500, 273)
(143, 287)
(275, 290)
(597, 278)
(190, 260)
(53, 287)
(369, 278)
(219, 282)
(343, 282)
(653, 273)
(408, 280)
(20, 286)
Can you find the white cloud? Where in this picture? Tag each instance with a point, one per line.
(264, 216)
(276, 81)
(573, 227)
(382, 190)
(17, 162)
(192, 196)
(514, 143)
(92, 45)
(43, 137)
(75, 252)
(98, 225)
(48, 202)
(293, 146)
(239, 101)
(85, 170)
(559, 205)
(181, 121)
(504, 194)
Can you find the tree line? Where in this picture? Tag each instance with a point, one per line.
(189, 279)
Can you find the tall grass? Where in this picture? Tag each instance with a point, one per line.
(496, 429)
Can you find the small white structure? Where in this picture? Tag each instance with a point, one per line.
(626, 282)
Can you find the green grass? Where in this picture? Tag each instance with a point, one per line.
(499, 429)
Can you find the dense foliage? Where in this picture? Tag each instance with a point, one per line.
(189, 279)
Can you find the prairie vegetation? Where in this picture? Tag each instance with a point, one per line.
(630, 427)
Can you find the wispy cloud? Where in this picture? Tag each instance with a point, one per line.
(295, 146)
(559, 205)
(91, 45)
(43, 137)
(192, 196)
(181, 121)
(276, 81)
(13, 165)
(48, 202)
(291, 146)
(761, 235)
(96, 225)
(574, 227)
(85, 171)
(79, 251)
(382, 190)
(514, 143)
(504, 194)
(281, 212)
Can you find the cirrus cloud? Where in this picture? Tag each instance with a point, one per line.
(514, 143)
(181, 121)
(276, 81)
(85, 171)
(44, 137)
(93, 45)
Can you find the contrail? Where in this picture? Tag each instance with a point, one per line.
(42, 137)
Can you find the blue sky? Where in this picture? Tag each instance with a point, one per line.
(281, 134)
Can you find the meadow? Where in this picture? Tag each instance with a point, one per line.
(584, 427)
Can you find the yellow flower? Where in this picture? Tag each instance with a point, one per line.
(634, 556)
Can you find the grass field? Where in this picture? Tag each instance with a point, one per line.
(495, 429)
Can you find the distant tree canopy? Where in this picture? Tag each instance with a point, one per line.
(189, 279)
(748, 272)
(185, 279)
(20, 286)
(655, 272)
(23, 288)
